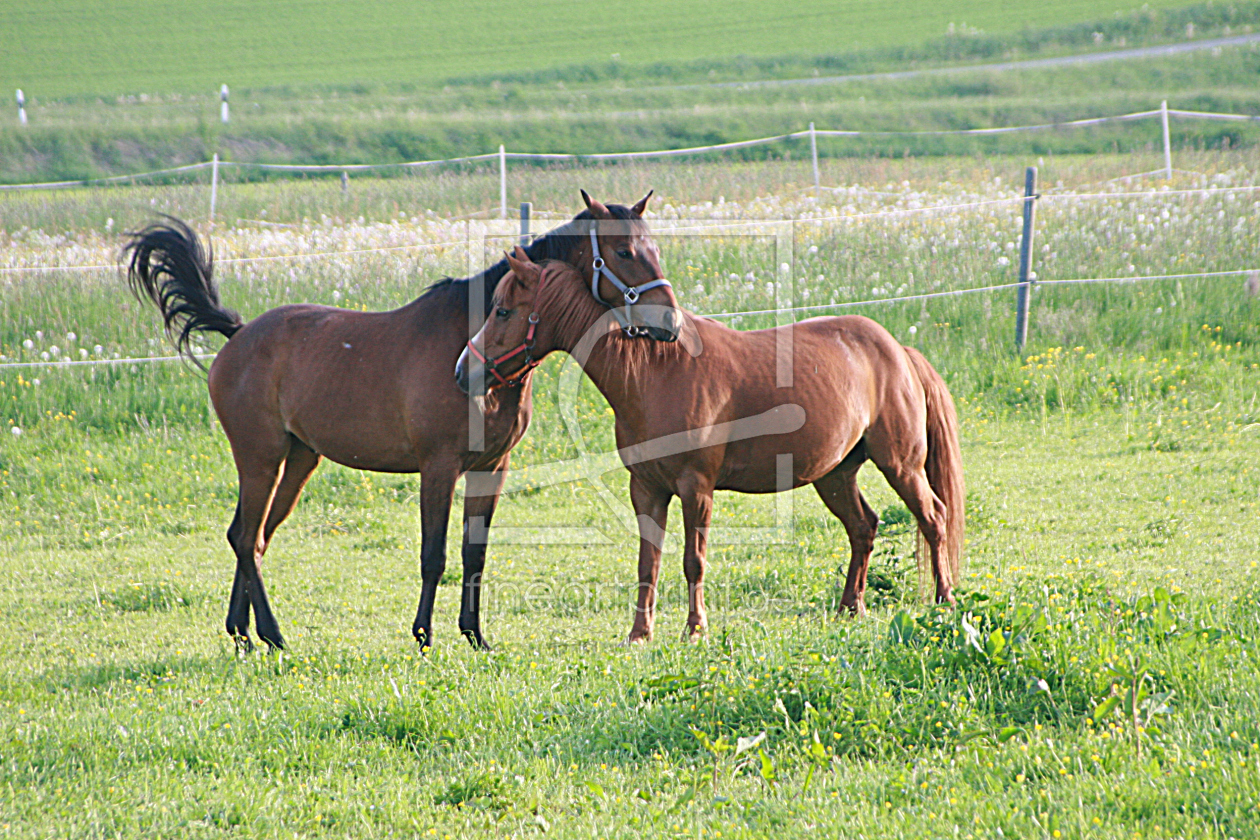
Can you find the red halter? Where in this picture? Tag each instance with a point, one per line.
(526, 347)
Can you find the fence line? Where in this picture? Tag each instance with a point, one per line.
(973, 290)
(658, 153)
(243, 260)
(92, 362)
(113, 179)
(355, 167)
(715, 224)
(1212, 115)
(1151, 193)
(715, 315)
(1137, 115)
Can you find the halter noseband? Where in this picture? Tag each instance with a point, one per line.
(629, 293)
(526, 347)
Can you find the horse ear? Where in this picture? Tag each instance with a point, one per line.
(641, 204)
(524, 269)
(518, 261)
(598, 210)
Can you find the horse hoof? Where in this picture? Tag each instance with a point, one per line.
(857, 610)
(695, 635)
(638, 638)
(243, 644)
(274, 643)
(476, 640)
(425, 640)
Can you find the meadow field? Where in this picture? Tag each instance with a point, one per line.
(1098, 679)
(317, 42)
(357, 96)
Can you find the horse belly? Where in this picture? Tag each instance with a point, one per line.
(365, 433)
(774, 463)
(363, 446)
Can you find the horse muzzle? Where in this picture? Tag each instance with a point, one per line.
(659, 323)
(470, 376)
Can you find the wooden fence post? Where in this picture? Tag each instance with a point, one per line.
(526, 210)
(1163, 119)
(813, 152)
(214, 185)
(1025, 259)
(223, 104)
(502, 182)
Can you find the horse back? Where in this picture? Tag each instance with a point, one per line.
(372, 390)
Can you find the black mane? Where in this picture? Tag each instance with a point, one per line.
(556, 244)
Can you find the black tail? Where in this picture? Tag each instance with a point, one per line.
(169, 267)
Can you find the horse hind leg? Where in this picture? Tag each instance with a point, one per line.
(908, 478)
(839, 491)
(299, 465)
(238, 603)
(259, 472)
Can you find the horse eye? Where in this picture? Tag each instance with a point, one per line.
(624, 254)
(502, 313)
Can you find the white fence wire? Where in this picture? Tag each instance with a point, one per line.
(1162, 113)
(65, 363)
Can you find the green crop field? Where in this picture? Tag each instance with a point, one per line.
(79, 47)
(130, 92)
(1098, 679)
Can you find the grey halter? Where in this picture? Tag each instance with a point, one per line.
(629, 293)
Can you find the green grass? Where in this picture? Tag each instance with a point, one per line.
(597, 106)
(1112, 501)
(76, 47)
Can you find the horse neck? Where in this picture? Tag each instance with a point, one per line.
(586, 330)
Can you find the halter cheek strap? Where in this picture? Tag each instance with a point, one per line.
(630, 294)
(526, 347)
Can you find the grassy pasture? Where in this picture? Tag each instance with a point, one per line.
(1112, 522)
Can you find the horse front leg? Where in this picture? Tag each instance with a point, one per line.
(481, 497)
(697, 510)
(437, 488)
(651, 506)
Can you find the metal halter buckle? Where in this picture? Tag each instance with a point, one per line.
(630, 294)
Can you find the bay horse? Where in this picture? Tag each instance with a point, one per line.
(369, 390)
(713, 411)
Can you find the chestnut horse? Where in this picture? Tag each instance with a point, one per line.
(370, 390)
(722, 409)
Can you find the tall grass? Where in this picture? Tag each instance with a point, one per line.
(852, 245)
